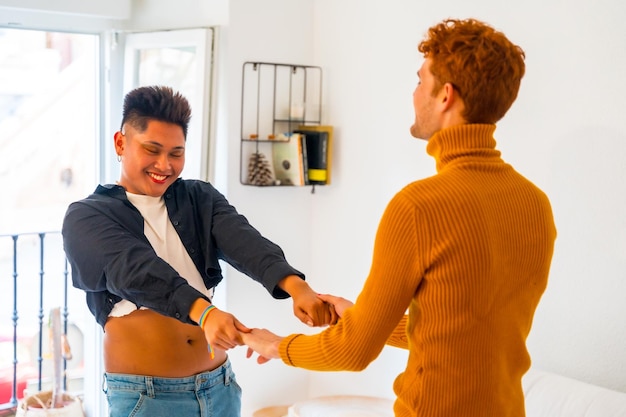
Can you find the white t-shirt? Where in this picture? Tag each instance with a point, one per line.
(166, 243)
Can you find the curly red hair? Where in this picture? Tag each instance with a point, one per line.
(483, 66)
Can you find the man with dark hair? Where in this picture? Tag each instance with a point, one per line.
(146, 252)
(467, 251)
(155, 103)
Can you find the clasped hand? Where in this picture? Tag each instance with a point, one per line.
(267, 344)
(224, 331)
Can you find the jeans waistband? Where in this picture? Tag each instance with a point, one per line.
(150, 384)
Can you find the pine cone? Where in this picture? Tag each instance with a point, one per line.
(259, 171)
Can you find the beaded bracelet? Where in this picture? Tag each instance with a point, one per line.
(202, 321)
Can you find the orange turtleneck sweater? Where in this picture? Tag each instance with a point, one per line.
(467, 252)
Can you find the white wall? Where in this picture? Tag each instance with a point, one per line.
(67, 15)
(146, 15)
(278, 31)
(566, 133)
(114, 9)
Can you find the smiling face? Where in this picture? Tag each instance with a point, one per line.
(151, 160)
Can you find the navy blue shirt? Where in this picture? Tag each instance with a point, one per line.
(111, 258)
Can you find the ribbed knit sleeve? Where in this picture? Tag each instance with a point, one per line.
(360, 335)
(398, 337)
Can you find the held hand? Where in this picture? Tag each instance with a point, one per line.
(339, 304)
(307, 306)
(310, 309)
(223, 330)
(263, 342)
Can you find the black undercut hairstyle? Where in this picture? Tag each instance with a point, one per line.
(155, 103)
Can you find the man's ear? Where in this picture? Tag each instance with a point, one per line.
(452, 102)
(118, 141)
(448, 95)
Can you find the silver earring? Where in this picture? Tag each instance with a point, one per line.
(119, 158)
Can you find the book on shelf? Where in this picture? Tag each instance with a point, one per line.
(318, 140)
(305, 158)
(287, 158)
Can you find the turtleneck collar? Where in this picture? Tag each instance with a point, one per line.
(462, 142)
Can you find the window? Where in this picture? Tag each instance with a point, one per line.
(56, 145)
(48, 125)
(182, 60)
(48, 141)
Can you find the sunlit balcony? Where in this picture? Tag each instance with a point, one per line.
(35, 279)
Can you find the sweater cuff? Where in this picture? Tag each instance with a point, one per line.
(283, 348)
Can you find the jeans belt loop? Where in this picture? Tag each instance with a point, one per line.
(227, 371)
(149, 387)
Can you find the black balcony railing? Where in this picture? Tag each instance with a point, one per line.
(34, 277)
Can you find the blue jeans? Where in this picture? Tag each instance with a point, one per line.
(208, 394)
